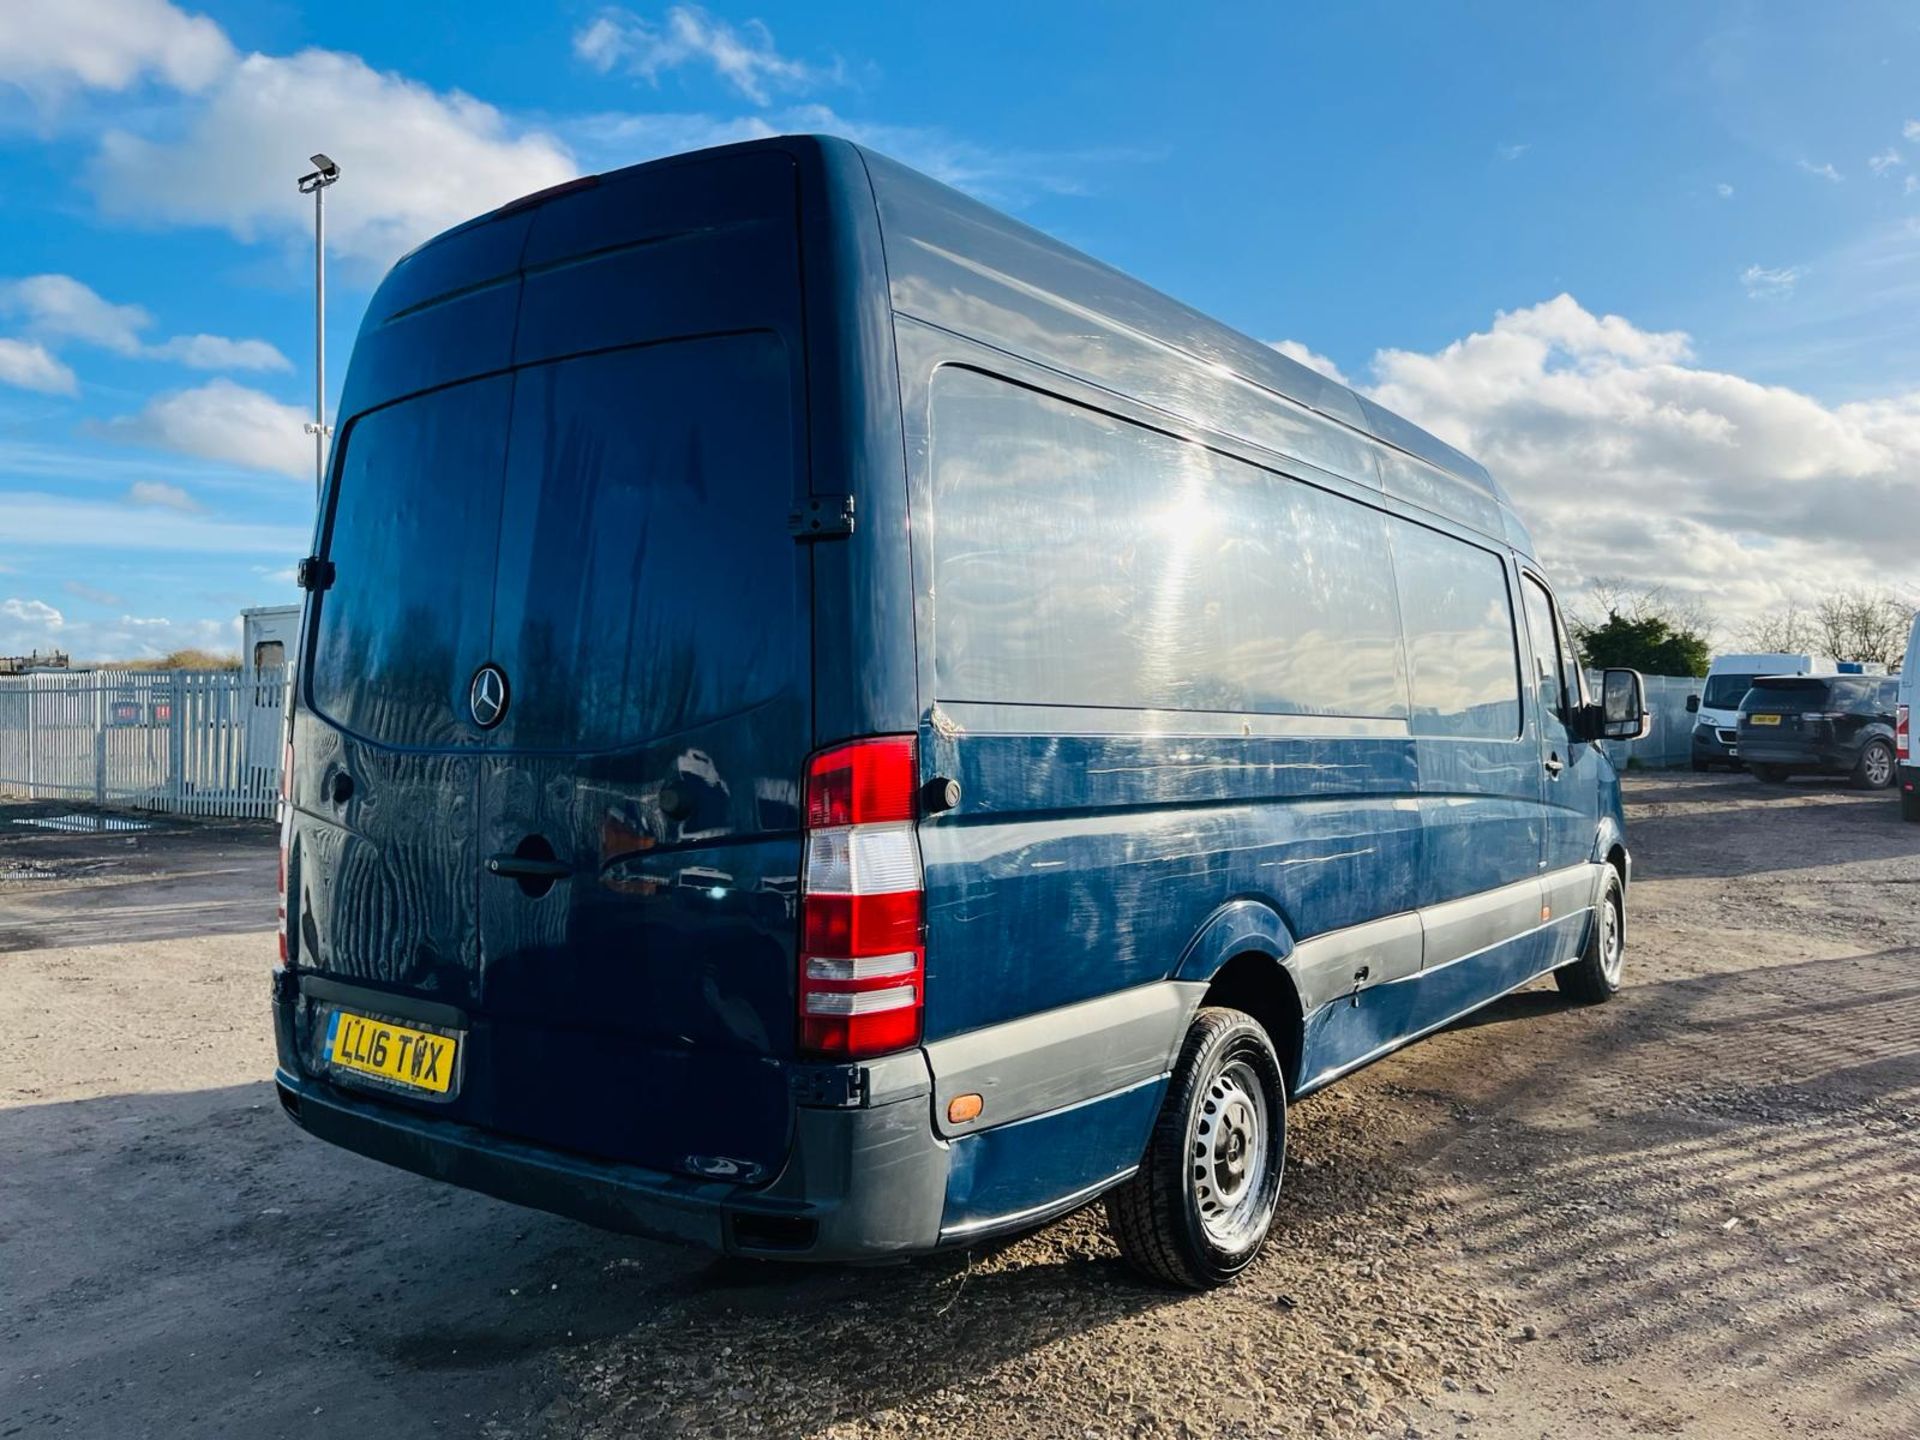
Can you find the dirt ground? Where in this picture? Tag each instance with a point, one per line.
(1694, 1211)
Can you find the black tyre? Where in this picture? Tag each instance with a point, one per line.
(1199, 1208)
(1874, 769)
(1595, 976)
(1701, 767)
(1770, 774)
(1910, 805)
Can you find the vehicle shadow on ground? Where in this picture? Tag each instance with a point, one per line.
(414, 1300)
(1771, 1125)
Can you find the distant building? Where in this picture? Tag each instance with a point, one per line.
(34, 664)
(268, 634)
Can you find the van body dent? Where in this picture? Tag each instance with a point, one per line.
(832, 725)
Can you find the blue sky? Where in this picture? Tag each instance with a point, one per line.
(1658, 264)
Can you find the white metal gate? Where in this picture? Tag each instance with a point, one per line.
(193, 742)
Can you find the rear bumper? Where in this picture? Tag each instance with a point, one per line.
(860, 1183)
(865, 1175)
(1827, 759)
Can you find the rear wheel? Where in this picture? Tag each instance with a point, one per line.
(1595, 976)
(1874, 770)
(1770, 774)
(1910, 805)
(1199, 1208)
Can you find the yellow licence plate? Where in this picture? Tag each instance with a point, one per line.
(415, 1058)
(1765, 719)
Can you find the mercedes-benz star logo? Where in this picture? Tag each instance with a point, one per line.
(487, 696)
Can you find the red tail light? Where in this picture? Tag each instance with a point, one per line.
(286, 832)
(862, 955)
(1902, 739)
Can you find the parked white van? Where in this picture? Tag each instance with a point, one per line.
(1716, 710)
(1906, 775)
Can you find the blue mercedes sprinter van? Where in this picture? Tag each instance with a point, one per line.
(832, 725)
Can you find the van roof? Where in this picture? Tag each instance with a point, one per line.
(955, 262)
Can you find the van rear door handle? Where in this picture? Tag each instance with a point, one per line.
(1555, 765)
(521, 867)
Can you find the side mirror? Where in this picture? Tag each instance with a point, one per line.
(1623, 706)
(1693, 704)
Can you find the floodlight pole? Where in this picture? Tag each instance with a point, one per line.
(316, 185)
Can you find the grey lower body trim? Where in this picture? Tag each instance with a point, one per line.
(1038, 1213)
(1324, 966)
(1027, 1067)
(1327, 1077)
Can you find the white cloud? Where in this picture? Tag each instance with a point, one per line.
(1512, 152)
(28, 365)
(1912, 187)
(92, 594)
(1825, 171)
(49, 47)
(1723, 190)
(1886, 160)
(1300, 354)
(1911, 130)
(36, 519)
(223, 421)
(744, 57)
(59, 307)
(217, 352)
(27, 625)
(1003, 177)
(414, 160)
(1771, 284)
(1630, 461)
(158, 493)
(32, 612)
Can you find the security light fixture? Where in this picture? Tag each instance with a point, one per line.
(325, 172)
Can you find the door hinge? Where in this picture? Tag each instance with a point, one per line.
(820, 517)
(313, 573)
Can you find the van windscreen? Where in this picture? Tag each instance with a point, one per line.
(628, 565)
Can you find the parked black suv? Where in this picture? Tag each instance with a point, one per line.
(1820, 724)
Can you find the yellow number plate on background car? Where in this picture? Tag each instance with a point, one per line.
(398, 1053)
(1766, 719)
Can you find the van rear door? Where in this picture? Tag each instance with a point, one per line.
(565, 664)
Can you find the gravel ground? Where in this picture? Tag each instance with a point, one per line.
(1695, 1211)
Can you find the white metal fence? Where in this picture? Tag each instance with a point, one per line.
(192, 742)
(1671, 742)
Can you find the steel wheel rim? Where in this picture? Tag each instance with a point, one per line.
(1227, 1176)
(1879, 767)
(1612, 942)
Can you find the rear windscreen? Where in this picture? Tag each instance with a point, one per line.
(610, 530)
(1790, 696)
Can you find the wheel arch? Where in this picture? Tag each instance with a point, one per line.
(1241, 955)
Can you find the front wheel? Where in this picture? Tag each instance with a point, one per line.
(1770, 774)
(1199, 1208)
(1595, 976)
(1875, 768)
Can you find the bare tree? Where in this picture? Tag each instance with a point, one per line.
(1786, 631)
(1869, 625)
(1609, 595)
